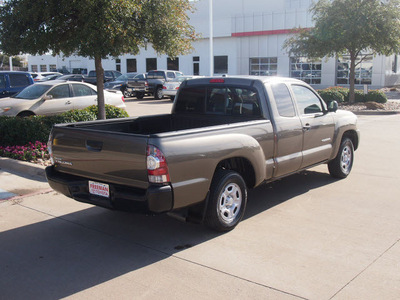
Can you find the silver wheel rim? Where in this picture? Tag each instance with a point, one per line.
(345, 159)
(159, 93)
(230, 201)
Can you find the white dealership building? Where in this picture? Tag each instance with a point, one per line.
(247, 39)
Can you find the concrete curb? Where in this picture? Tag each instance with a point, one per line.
(23, 168)
(376, 112)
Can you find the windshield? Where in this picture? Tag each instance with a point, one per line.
(33, 91)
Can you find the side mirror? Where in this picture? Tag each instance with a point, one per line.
(333, 106)
(47, 97)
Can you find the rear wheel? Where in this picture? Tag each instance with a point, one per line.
(126, 93)
(227, 201)
(158, 94)
(342, 164)
(139, 95)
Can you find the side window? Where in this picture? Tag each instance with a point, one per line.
(307, 101)
(170, 75)
(81, 90)
(108, 73)
(18, 80)
(2, 82)
(283, 100)
(60, 91)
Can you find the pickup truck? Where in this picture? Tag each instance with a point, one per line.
(155, 80)
(109, 75)
(223, 137)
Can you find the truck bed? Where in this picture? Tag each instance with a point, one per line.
(148, 125)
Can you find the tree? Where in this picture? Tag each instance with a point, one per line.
(95, 29)
(352, 27)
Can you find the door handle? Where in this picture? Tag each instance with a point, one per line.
(95, 146)
(68, 102)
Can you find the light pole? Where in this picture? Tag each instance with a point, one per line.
(211, 38)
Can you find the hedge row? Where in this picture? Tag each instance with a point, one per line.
(22, 131)
(341, 95)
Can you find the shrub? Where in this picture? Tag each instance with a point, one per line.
(359, 96)
(376, 96)
(331, 94)
(22, 131)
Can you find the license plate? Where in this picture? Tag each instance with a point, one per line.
(99, 189)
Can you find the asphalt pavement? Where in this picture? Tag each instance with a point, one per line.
(307, 236)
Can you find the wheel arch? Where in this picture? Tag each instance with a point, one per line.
(25, 113)
(240, 165)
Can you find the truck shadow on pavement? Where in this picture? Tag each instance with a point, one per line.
(67, 254)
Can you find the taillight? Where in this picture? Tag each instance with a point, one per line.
(157, 169)
(164, 87)
(146, 83)
(123, 99)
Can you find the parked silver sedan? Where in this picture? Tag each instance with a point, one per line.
(54, 97)
(170, 88)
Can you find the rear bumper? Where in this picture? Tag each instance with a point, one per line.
(157, 198)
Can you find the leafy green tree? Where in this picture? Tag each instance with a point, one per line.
(353, 27)
(96, 29)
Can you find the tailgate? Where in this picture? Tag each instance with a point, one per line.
(112, 157)
(136, 84)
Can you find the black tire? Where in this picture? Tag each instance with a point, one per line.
(172, 98)
(158, 94)
(139, 95)
(341, 165)
(227, 201)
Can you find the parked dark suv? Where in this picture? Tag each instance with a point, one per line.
(12, 82)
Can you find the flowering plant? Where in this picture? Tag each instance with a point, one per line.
(32, 152)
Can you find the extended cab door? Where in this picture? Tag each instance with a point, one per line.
(289, 132)
(318, 126)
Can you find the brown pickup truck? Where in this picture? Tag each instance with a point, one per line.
(223, 137)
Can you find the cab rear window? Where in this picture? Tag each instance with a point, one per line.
(219, 101)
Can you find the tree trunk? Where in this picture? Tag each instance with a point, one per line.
(101, 115)
(352, 76)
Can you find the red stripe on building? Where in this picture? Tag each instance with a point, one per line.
(268, 32)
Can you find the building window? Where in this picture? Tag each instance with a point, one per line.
(53, 68)
(363, 70)
(43, 68)
(118, 64)
(34, 68)
(173, 64)
(265, 66)
(151, 64)
(306, 69)
(196, 65)
(131, 65)
(220, 64)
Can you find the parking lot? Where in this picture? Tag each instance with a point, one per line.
(307, 236)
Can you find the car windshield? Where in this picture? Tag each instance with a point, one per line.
(33, 91)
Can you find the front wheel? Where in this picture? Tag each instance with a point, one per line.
(342, 164)
(227, 201)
